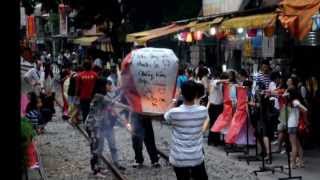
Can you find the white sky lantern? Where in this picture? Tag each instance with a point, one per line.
(149, 79)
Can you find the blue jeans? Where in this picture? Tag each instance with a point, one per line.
(143, 133)
(107, 132)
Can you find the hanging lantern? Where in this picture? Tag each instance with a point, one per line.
(252, 33)
(183, 36)
(198, 35)
(189, 37)
(221, 35)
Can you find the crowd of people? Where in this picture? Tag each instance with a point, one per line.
(92, 96)
(287, 104)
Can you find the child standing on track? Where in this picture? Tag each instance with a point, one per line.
(100, 126)
(186, 152)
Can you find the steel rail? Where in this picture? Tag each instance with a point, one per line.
(112, 167)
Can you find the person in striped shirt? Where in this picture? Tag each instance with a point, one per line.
(263, 78)
(33, 113)
(262, 84)
(186, 150)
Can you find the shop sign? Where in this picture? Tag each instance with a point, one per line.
(211, 7)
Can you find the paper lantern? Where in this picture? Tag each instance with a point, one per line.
(149, 79)
(183, 36)
(252, 33)
(189, 37)
(198, 35)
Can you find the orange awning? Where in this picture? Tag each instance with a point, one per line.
(290, 23)
(133, 36)
(303, 10)
(177, 28)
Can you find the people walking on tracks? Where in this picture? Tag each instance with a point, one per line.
(73, 101)
(99, 125)
(186, 152)
(34, 77)
(85, 85)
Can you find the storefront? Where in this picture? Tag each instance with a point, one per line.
(242, 39)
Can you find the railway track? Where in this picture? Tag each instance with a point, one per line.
(112, 167)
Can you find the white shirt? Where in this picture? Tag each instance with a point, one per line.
(186, 149)
(293, 119)
(98, 62)
(35, 76)
(272, 87)
(216, 93)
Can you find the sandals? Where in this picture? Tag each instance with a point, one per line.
(293, 166)
(300, 163)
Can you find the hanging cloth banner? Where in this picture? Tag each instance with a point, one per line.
(301, 12)
(149, 79)
(239, 117)
(31, 27)
(225, 117)
(63, 19)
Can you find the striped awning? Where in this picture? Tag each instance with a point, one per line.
(256, 21)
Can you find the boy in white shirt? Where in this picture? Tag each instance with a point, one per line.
(186, 150)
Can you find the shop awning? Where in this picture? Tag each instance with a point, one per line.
(176, 28)
(85, 41)
(104, 39)
(256, 21)
(203, 26)
(303, 10)
(133, 36)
